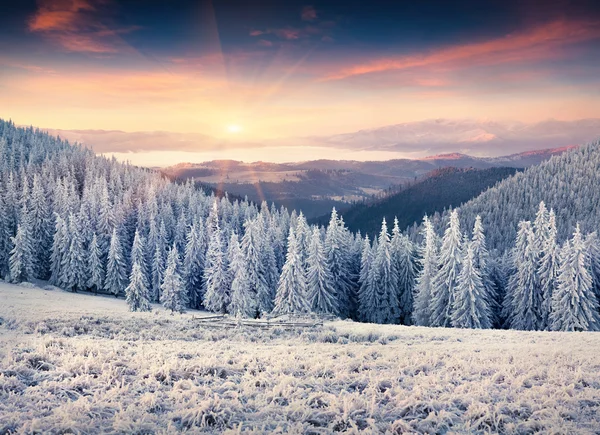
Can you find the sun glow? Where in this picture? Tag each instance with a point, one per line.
(234, 128)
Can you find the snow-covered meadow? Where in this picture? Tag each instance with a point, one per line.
(84, 364)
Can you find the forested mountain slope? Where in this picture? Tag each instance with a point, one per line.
(442, 189)
(568, 183)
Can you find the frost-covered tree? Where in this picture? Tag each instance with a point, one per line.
(95, 267)
(193, 265)
(470, 306)
(523, 300)
(481, 259)
(60, 251)
(138, 255)
(136, 293)
(384, 279)
(321, 296)
(593, 245)
(574, 304)
(216, 279)
(402, 255)
(76, 271)
(548, 268)
(337, 261)
(21, 255)
(428, 270)
(173, 295)
(42, 230)
(116, 267)
(366, 295)
(291, 291)
(262, 268)
(445, 281)
(243, 300)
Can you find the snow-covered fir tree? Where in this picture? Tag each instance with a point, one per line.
(75, 277)
(481, 259)
(217, 294)
(366, 296)
(136, 293)
(116, 267)
(291, 292)
(95, 267)
(470, 305)
(445, 281)
(321, 296)
(243, 300)
(193, 265)
(21, 255)
(402, 255)
(173, 295)
(574, 304)
(548, 268)
(424, 281)
(337, 254)
(523, 300)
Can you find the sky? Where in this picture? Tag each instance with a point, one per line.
(250, 74)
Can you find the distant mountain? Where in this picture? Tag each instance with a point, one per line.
(316, 186)
(474, 137)
(443, 188)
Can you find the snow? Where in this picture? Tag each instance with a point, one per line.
(80, 363)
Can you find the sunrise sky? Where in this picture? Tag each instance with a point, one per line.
(252, 71)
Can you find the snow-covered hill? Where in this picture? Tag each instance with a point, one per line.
(82, 364)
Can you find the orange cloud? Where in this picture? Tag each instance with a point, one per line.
(76, 26)
(536, 43)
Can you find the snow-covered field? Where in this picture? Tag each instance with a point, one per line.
(83, 364)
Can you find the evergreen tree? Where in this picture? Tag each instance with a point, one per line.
(116, 269)
(291, 291)
(338, 264)
(76, 271)
(548, 269)
(136, 293)
(60, 252)
(366, 296)
(445, 281)
(402, 255)
(593, 245)
(95, 267)
(21, 255)
(385, 279)
(481, 259)
(193, 264)
(523, 301)
(574, 304)
(243, 301)
(321, 296)
(173, 295)
(216, 281)
(41, 228)
(471, 306)
(261, 264)
(425, 278)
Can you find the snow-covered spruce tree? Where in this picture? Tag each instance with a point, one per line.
(548, 269)
(366, 297)
(291, 292)
(523, 300)
(60, 252)
(593, 245)
(138, 255)
(41, 221)
(216, 280)
(337, 262)
(385, 280)
(193, 264)
(574, 304)
(243, 300)
(261, 264)
(95, 267)
(116, 268)
(445, 281)
(136, 293)
(303, 237)
(402, 251)
(173, 295)
(76, 271)
(541, 228)
(470, 306)
(21, 255)
(427, 272)
(321, 296)
(481, 259)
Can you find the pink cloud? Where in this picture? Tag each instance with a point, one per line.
(536, 43)
(287, 33)
(76, 26)
(256, 32)
(308, 13)
(265, 43)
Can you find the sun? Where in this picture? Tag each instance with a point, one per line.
(234, 128)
